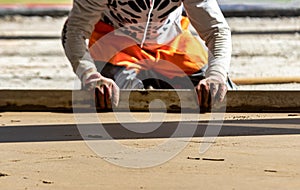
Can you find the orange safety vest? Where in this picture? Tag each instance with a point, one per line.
(183, 55)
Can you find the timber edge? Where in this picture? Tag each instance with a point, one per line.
(143, 100)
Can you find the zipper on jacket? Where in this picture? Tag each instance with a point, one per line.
(147, 23)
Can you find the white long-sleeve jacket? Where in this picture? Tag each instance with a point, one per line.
(148, 21)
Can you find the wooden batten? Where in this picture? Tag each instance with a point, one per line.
(142, 100)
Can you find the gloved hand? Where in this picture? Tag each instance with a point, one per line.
(105, 90)
(211, 91)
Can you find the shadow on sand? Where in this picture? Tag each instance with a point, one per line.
(40, 133)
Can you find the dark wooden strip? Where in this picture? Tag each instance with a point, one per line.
(139, 100)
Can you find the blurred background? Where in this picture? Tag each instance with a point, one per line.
(265, 34)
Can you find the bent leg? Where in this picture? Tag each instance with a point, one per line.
(124, 78)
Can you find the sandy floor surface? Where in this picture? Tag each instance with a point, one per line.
(42, 63)
(46, 150)
(254, 151)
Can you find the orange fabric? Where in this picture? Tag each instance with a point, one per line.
(183, 55)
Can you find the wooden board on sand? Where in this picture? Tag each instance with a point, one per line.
(141, 100)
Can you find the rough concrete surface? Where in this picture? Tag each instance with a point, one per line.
(44, 151)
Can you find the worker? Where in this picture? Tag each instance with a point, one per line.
(146, 44)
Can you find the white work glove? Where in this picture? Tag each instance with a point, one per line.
(105, 90)
(211, 91)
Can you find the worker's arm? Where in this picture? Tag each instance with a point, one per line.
(208, 20)
(78, 28)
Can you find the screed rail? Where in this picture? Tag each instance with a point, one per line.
(142, 100)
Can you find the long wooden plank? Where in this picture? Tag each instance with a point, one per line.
(265, 80)
(263, 101)
(139, 100)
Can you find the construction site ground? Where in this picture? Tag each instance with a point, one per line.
(43, 150)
